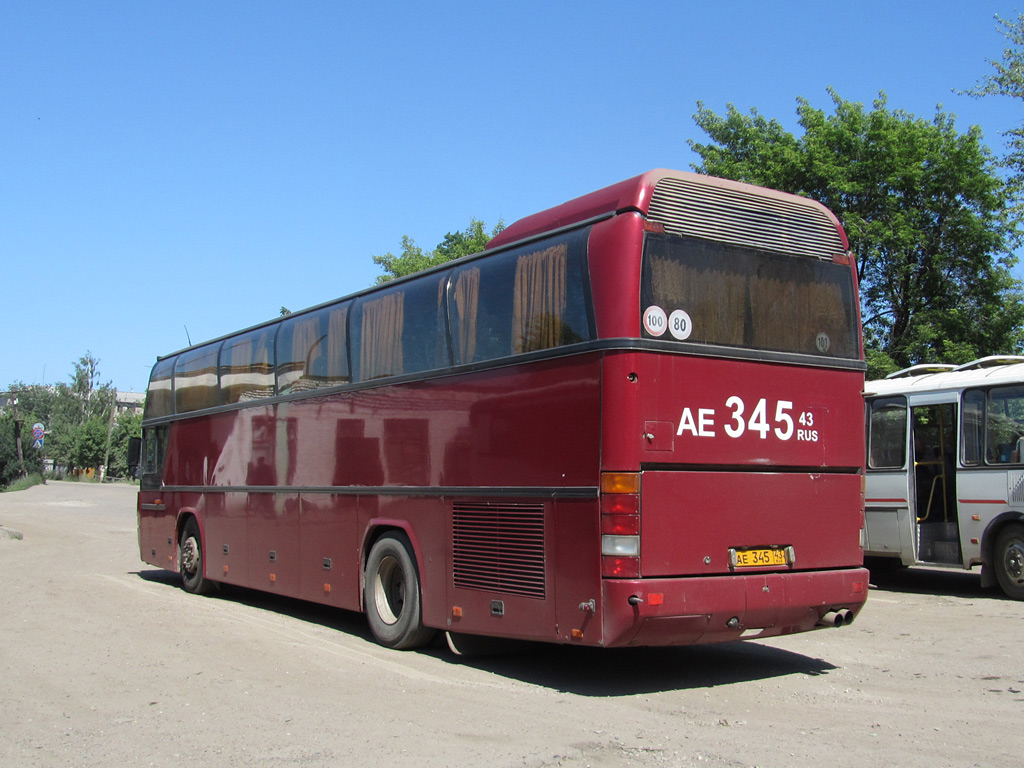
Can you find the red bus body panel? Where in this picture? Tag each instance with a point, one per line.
(744, 450)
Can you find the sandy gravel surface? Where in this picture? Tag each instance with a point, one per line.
(106, 661)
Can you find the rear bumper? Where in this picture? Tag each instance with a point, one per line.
(681, 611)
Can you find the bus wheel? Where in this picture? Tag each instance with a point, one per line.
(190, 560)
(1009, 560)
(391, 595)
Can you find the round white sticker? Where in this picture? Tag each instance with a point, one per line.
(823, 342)
(655, 320)
(680, 325)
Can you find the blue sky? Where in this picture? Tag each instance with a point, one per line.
(166, 165)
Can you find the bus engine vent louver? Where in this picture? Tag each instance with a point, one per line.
(499, 548)
(744, 218)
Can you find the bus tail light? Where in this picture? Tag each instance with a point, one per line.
(620, 525)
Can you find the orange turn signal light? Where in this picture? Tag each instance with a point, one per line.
(620, 482)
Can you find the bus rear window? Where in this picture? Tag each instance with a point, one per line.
(704, 292)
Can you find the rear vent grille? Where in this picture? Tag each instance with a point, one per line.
(499, 548)
(743, 218)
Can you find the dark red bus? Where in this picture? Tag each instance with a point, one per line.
(634, 419)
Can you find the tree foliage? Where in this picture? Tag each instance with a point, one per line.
(10, 469)
(927, 215)
(1007, 79)
(413, 259)
(83, 428)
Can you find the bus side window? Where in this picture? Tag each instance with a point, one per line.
(247, 366)
(973, 426)
(195, 379)
(400, 330)
(312, 350)
(160, 393)
(1005, 425)
(887, 433)
(154, 451)
(524, 300)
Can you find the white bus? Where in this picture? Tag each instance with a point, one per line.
(945, 469)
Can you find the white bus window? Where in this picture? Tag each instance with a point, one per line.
(1005, 425)
(973, 427)
(887, 433)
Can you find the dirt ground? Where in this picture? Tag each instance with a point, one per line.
(106, 661)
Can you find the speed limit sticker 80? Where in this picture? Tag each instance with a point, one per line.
(765, 419)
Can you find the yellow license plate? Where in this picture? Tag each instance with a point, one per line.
(757, 558)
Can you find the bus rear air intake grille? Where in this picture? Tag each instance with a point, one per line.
(499, 547)
(744, 218)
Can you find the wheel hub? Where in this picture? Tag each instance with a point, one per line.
(189, 556)
(1014, 561)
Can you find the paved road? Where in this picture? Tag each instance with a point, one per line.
(105, 661)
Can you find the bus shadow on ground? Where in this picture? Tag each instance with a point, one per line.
(920, 580)
(608, 672)
(328, 616)
(584, 671)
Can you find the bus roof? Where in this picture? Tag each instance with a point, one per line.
(815, 229)
(635, 195)
(994, 369)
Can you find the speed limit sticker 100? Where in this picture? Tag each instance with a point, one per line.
(765, 420)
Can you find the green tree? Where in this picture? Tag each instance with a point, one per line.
(10, 469)
(927, 215)
(79, 417)
(126, 425)
(88, 443)
(81, 401)
(413, 259)
(1008, 80)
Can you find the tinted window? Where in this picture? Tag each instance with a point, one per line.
(160, 395)
(523, 300)
(312, 351)
(400, 330)
(154, 452)
(247, 366)
(742, 297)
(195, 379)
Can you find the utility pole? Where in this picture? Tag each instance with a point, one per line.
(17, 436)
(110, 430)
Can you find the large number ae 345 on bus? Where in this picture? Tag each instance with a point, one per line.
(634, 419)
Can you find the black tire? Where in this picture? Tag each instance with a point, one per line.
(391, 594)
(190, 560)
(1009, 560)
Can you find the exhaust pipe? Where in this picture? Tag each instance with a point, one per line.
(836, 619)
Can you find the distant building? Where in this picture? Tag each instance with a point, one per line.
(130, 401)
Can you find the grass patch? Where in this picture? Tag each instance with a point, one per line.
(25, 482)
